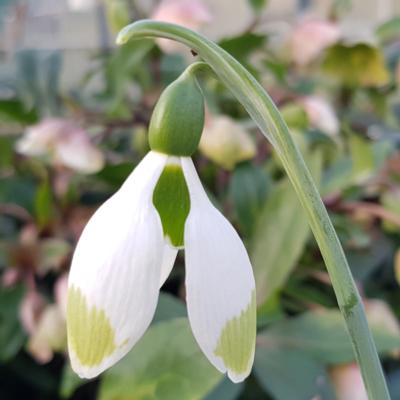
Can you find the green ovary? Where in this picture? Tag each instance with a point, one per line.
(172, 201)
(236, 343)
(90, 333)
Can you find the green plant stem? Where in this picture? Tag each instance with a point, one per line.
(262, 109)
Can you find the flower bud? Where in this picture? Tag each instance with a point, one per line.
(178, 118)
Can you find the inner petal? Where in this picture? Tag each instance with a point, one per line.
(171, 200)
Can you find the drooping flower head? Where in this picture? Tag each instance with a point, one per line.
(129, 246)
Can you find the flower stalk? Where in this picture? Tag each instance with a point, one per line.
(264, 112)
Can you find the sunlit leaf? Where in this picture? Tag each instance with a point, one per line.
(358, 65)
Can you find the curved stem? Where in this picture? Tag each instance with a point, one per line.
(262, 109)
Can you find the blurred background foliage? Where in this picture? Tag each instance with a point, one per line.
(74, 111)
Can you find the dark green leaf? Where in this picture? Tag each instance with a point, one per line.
(281, 234)
(12, 336)
(292, 374)
(248, 188)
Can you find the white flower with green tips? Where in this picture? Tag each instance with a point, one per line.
(129, 246)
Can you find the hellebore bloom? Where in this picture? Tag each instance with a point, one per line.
(310, 37)
(129, 246)
(192, 14)
(62, 143)
(226, 142)
(321, 114)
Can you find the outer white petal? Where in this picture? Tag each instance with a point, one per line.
(169, 257)
(220, 284)
(115, 273)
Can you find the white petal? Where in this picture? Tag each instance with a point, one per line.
(169, 257)
(220, 284)
(115, 273)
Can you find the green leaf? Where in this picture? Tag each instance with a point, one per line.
(169, 307)
(279, 239)
(389, 29)
(226, 390)
(362, 157)
(241, 47)
(44, 209)
(12, 336)
(15, 111)
(248, 188)
(6, 151)
(70, 381)
(292, 374)
(364, 66)
(323, 336)
(166, 364)
(337, 177)
(257, 5)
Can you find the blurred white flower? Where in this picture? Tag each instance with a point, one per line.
(310, 37)
(348, 383)
(321, 114)
(225, 142)
(192, 14)
(50, 335)
(81, 5)
(63, 143)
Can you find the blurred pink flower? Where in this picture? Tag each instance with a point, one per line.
(310, 37)
(321, 114)
(30, 310)
(60, 293)
(191, 14)
(62, 143)
(379, 314)
(10, 277)
(49, 336)
(348, 383)
(398, 74)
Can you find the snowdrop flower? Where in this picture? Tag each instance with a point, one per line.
(310, 37)
(129, 246)
(321, 114)
(192, 14)
(226, 142)
(63, 143)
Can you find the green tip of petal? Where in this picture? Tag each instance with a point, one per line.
(236, 343)
(90, 333)
(172, 201)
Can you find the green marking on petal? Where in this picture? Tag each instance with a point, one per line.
(90, 333)
(172, 201)
(236, 343)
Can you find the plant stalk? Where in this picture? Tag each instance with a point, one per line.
(264, 112)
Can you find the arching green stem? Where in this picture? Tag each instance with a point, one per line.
(262, 109)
